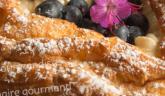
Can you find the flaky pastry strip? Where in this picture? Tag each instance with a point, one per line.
(131, 64)
(162, 48)
(34, 62)
(84, 82)
(17, 23)
(158, 7)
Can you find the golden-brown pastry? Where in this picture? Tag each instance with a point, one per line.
(162, 48)
(40, 56)
(158, 7)
(105, 66)
(16, 23)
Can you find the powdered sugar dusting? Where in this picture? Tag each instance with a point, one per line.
(7, 26)
(45, 46)
(129, 59)
(162, 48)
(162, 44)
(96, 75)
(158, 85)
(98, 83)
(40, 45)
(159, 6)
(89, 74)
(19, 18)
(12, 74)
(5, 41)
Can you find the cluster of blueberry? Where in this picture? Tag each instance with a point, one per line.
(74, 11)
(77, 11)
(135, 25)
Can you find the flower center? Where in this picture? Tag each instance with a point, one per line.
(111, 8)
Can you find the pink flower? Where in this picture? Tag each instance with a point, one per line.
(110, 12)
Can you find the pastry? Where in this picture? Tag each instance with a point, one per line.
(162, 48)
(41, 56)
(158, 8)
(19, 24)
(88, 58)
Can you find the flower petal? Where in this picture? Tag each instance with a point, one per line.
(115, 19)
(106, 21)
(101, 2)
(124, 9)
(109, 12)
(96, 13)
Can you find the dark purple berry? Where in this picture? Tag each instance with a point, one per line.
(138, 19)
(122, 32)
(72, 14)
(103, 31)
(87, 23)
(50, 8)
(81, 4)
(134, 32)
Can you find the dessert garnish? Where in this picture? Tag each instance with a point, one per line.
(81, 4)
(139, 20)
(110, 12)
(50, 8)
(122, 32)
(72, 14)
(122, 18)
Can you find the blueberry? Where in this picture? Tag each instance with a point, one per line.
(50, 8)
(87, 23)
(138, 19)
(103, 31)
(81, 4)
(122, 32)
(134, 32)
(72, 14)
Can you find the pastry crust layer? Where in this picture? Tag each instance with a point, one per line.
(158, 7)
(38, 53)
